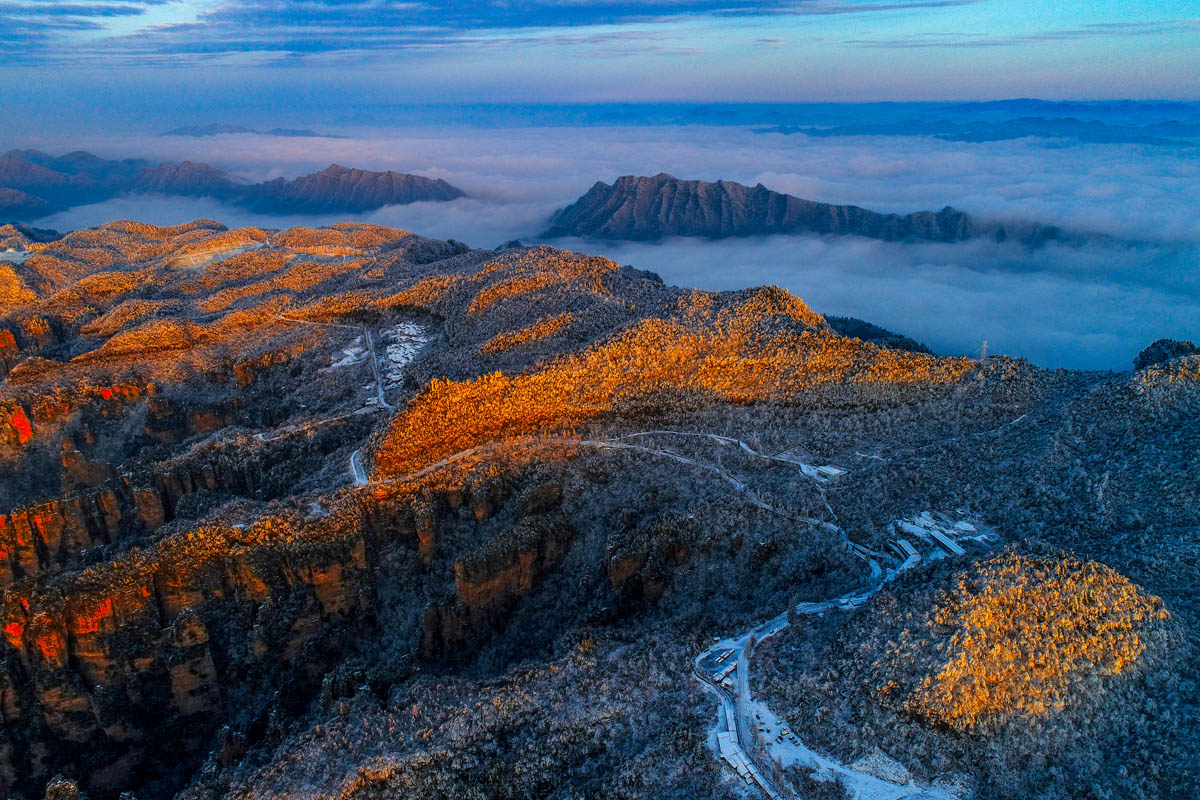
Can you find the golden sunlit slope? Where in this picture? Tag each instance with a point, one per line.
(542, 329)
(1019, 637)
(769, 346)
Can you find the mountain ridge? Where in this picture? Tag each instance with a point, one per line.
(218, 129)
(642, 208)
(37, 184)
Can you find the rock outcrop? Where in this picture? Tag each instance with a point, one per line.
(1164, 350)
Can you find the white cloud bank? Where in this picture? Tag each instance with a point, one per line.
(1079, 307)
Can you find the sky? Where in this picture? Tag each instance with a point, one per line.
(110, 75)
(151, 59)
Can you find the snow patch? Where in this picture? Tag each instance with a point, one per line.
(404, 341)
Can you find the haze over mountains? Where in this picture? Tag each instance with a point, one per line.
(641, 208)
(34, 184)
(219, 128)
(1165, 133)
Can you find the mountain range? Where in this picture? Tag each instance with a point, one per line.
(1166, 132)
(217, 128)
(35, 184)
(349, 512)
(641, 208)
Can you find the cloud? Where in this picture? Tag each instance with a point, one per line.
(1100, 30)
(34, 10)
(283, 30)
(1060, 306)
(36, 30)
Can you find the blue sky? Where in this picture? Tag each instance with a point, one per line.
(159, 54)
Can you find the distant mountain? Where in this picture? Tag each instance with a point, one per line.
(216, 129)
(337, 188)
(188, 178)
(1171, 132)
(18, 205)
(16, 171)
(34, 184)
(85, 164)
(638, 208)
(298, 132)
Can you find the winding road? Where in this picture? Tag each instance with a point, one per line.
(736, 728)
(367, 338)
(356, 469)
(861, 785)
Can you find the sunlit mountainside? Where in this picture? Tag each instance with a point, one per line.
(353, 512)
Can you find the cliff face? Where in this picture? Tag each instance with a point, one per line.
(134, 659)
(148, 654)
(640, 208)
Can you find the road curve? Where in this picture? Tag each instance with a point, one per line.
(356, 470)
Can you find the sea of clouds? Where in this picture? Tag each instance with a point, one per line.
(1083, 307)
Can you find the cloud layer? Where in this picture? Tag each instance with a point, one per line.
(1059, 306)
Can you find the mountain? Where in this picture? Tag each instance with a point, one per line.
(636, 208)
(340, 189)
(214, 129)
(18, 205)
(1167, 133)
(83, 163)
(35, 184)
(187, 178)
(16, 171)
(301, 133)
(217, 129)
(870, 332)
(347, 512)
